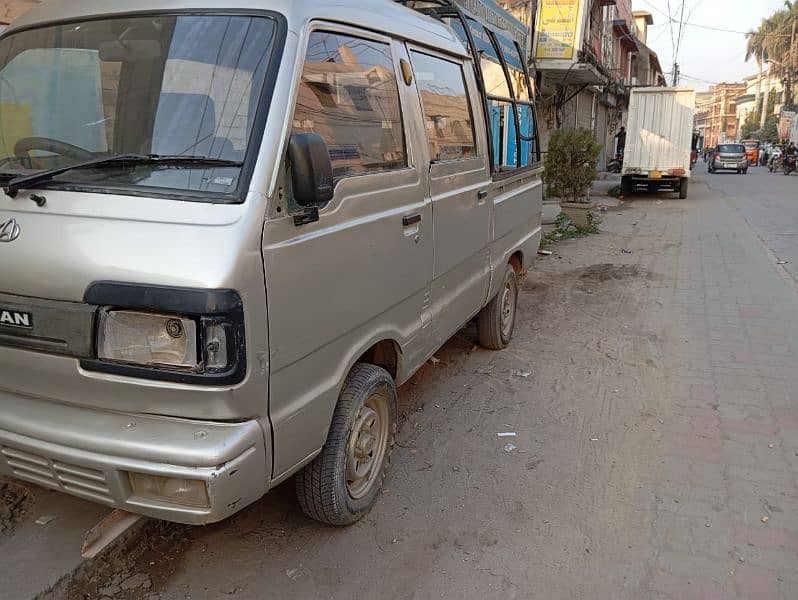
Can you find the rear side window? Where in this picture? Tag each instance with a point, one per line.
(447, 113)
(731, 148)
(510, 105)
(348, 94)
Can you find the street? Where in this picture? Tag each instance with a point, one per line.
(651, 389)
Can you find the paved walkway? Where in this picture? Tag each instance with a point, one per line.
(726, 514)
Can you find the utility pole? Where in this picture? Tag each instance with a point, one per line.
(675, 74)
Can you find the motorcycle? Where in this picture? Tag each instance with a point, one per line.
(788, 165)
(616, 164)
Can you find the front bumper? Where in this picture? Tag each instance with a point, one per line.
(89, 453)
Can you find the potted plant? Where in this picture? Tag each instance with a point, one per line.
(571, 169)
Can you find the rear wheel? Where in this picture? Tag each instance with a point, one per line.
(343, 482)
(626, 186)
(684, 185)
(496, 322)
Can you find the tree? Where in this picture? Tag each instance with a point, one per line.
(750, 127)
(774, 42)
(770, 132)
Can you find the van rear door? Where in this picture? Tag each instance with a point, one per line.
(459, 184)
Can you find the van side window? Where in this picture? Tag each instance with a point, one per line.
(348, 94)
(447, 112)
(509, 97)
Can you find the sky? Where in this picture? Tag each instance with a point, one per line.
(706, 56)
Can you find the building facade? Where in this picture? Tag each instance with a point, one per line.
(703, 107)
(721, 124)
(11, 9)
(760, 91)
(588, 54)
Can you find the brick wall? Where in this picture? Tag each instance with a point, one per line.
(11, 9)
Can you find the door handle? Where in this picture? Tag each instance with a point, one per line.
(482, 194)
(409, 220)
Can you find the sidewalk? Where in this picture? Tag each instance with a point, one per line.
(599, 193)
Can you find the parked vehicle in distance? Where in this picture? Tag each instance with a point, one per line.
(248, 242)
(729, 157)
(659, 140)
(752, 150)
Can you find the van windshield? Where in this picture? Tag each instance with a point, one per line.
(179, 85)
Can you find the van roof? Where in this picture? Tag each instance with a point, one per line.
(384, 16)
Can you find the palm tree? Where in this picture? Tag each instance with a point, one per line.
(755, 49)
(774, 42)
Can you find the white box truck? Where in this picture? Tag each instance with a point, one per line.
(659, 137)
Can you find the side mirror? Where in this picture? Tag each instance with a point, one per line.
(311, 169)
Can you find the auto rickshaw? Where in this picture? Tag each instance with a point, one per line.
(752, 151)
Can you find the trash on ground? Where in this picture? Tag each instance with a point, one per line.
(594, 439)
(523, 374)
(545, 252)
(659, 201)
(626, 251)
(603, 208)
(510, 447)
(783, 262)
(434, 360)
(765, 519)
(45, 519)
(506, 434)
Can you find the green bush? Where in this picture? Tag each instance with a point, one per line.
(571, 163)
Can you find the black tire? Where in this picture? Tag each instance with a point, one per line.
(496, 322)
(684, 185)
(626, 186)
(323, 487)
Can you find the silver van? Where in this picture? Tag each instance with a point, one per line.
(231, 229)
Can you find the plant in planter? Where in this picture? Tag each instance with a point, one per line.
(571, 169)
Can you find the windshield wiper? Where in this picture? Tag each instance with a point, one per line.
(13, 187)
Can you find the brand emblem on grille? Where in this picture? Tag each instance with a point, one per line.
(14, 318)
(9, 230)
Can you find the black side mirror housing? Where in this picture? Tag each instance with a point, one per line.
(311, 169)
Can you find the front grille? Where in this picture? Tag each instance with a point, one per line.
(80, 481)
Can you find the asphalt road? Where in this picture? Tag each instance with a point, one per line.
(769, 203)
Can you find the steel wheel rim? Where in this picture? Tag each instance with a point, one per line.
(366, 447)
(508, 308)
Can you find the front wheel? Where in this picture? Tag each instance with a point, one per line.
(343, 483)
(496, 322)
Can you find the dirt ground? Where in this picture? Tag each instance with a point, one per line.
(466, 513)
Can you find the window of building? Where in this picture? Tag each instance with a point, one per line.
(348, 94)
(447, 113)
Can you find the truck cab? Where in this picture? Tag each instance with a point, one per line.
(229, 230)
